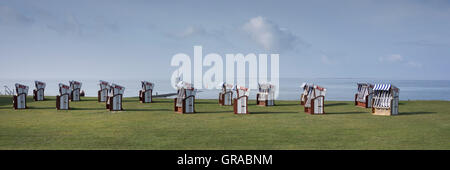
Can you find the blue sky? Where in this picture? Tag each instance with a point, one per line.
(315, 39)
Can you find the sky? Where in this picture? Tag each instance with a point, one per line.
(115, 39)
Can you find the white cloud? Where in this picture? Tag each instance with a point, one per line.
(414, 64)
(399, 59)
(192, 31)
(269, 35)
(391, 58)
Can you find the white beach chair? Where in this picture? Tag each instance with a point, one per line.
(114, 102)
(363, 97)
(305, 90)
(62, 100)
(265, 95)
(20, 98)
(185, 100)
(240, 104)
(145, 95)
(102, 94)
(385, 99)
(226, 95)
(38, 93)
(75, 88)
(315, 100)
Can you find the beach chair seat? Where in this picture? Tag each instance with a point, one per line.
(20, 98)
(145, 95)
(38, 93)
(62, 100)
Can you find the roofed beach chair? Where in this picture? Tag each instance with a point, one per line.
(385, 99)
(38, 93)
(305, 87)
(145, 95)
(114, 101)
(265, 95)
(20, 98)
(363, 97)
(315, 100)
(75, 88)
(240, 104)
(62, 100)
(185, 100)
(102, 94)
(226, 95)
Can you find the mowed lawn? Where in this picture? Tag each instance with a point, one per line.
(88, 125)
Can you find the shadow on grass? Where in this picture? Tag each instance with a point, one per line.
(224, 111)
(344, 112)
(150, 110)
(35, 107)
(414, 113)
(131, 101)
(272, 112)
(208, 102)
(46, 99)
(80, 108)
(336, 104)
(163, 101)
(1, 108)
(288, 104)
(87, 99)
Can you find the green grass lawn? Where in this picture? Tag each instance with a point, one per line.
(420, 125)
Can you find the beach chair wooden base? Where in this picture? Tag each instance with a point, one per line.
(60, 103)
(114, 103)
(310, 110)
(264, 102)
(381, 112)
(240, 105)
(225, 99)
(317, 106)
(75, 96)
(36, 95)
(102, 95)
(145, 97)
(183, 109)
(362, 104)
(261, 103)
(16, 104)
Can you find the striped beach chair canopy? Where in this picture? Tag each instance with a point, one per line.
(383, 87)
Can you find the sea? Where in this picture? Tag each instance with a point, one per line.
(338, 89)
